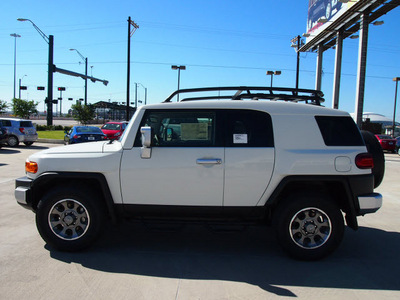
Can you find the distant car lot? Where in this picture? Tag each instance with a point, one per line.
(155, 261)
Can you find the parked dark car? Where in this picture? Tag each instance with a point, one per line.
(83, 134)
(114, 130)
(3, 135)
(387, 142)
(398, 145)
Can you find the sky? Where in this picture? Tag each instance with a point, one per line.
(221, 43)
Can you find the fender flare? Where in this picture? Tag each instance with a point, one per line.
(48, 177)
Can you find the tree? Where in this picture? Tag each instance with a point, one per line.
(83, 113)
(3, 106)
(23, 108)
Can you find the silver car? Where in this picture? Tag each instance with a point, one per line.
(19, 131)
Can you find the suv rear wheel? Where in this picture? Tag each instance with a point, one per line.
(308, 226)
(69, 218)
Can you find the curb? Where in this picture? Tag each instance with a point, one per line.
(50, 141)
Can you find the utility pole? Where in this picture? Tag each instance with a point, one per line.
(130, 33)
(297, 43)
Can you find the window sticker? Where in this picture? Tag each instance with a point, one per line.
(240, 138)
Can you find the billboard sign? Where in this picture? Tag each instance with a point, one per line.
(329, 10)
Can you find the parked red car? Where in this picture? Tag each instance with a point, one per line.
(387, 142)
(113, 130)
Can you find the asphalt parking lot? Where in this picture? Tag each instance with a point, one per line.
(153, 261)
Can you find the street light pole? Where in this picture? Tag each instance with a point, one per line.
(15, 59)
(272, 73)
(50, 82)
(179, 68)
(85, 59)
(49, 40)
(395, 103)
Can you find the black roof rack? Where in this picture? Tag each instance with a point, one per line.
(255, 93)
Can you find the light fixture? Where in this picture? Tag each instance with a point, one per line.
(377, 23)
(354, 36)
(179, 68)
(322, 20)
(272, 73)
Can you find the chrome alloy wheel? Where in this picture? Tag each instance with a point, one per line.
(69, 219)
(310, 228)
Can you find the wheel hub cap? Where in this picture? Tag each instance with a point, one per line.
(68, 219)
(310, 228)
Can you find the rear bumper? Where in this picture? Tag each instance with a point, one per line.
(28, 138)
(370, 203)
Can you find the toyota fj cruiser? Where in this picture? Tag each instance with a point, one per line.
(224, 155)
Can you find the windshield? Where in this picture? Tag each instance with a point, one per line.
(386, 137)
(111, 126)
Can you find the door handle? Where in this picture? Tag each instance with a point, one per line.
(209, 161)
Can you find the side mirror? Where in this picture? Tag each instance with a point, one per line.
(146, 142)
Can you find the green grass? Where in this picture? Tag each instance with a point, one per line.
(55, 135)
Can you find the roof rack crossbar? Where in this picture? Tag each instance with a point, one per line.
(245, 92)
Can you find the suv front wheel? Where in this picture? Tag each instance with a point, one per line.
(69, 218)
(309, 226)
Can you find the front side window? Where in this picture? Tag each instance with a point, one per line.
(178, 128)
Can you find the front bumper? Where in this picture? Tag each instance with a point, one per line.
(370, 203)
(23, 192)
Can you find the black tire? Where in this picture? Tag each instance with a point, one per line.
(28, 143)
(308, 226)
(375, 149)
(12, 141)
(70, 218)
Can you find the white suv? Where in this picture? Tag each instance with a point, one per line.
(299, 167)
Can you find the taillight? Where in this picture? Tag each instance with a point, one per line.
(31, 167)
(364, 161)
(22, 129)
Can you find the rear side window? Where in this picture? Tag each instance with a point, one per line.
(339, 131)
(26, 124)
(247, 128)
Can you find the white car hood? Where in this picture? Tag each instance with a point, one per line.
(92, 147)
